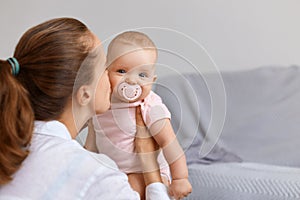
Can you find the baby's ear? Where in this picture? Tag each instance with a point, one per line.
(154, 78)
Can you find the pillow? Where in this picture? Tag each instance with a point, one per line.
(263, 114)
(198, 108)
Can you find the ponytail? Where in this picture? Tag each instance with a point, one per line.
(16, 123)
(51, 55)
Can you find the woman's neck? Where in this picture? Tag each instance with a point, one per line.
(74, 125)
(70, 124)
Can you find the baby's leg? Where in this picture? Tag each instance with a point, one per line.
(165, 180)
(137, 183)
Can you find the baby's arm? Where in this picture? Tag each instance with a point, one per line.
(90, 143)
(164, 135)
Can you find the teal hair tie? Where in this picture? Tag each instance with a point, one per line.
(14, 65)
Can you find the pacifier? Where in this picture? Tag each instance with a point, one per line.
(129, 92)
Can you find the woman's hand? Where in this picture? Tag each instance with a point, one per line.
(144, 142)
(147, 150)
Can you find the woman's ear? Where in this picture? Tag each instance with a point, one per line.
(84, 95)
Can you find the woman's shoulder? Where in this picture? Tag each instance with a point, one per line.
(52, 149)
(55, 163)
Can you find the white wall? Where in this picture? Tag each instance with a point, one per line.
(238, 34)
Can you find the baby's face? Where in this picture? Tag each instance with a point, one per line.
(137, 67)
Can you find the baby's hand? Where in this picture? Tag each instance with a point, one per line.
(180, 188)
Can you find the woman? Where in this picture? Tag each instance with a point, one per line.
(57, 77)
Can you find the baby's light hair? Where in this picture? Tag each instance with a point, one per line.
(133, 39)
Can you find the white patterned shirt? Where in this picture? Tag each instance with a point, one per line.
(60, 168)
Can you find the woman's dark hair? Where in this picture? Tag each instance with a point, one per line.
(50, 57)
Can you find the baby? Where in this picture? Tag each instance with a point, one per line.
(131, 62)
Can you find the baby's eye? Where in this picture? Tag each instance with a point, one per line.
(121, 71)
(143, 75)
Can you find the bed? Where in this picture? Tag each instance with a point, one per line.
(240, 131)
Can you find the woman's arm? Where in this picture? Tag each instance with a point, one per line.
(148, 151)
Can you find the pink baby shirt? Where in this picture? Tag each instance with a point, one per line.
(116, 129)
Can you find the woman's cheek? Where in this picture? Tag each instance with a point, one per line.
(102, 97)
